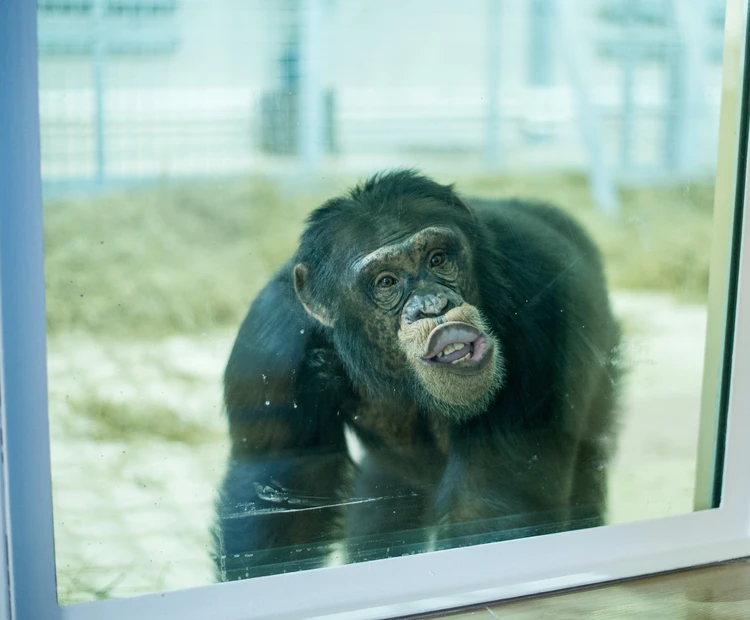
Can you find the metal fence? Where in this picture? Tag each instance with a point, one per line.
(132, 90)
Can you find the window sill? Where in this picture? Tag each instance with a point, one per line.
(716, 592)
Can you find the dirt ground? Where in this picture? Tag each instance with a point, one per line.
(138, 446)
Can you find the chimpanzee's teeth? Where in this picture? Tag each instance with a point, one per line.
(465, 358)
(451, 348)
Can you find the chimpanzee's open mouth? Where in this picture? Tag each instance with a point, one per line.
(457, 345)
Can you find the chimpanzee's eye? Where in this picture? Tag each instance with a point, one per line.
(437, 258)
(387, 281)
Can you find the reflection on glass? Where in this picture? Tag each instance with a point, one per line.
(425, 366)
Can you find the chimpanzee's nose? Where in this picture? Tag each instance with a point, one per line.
(428, 305)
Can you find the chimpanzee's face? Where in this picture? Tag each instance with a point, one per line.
(407, 310)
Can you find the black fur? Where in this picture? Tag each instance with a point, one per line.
(534, 461)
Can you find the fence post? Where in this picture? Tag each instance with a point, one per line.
(311, 116)
(628, 64)
(541, 36)
(99, 53)
(687, 104)
(600, 180)
(493, 146)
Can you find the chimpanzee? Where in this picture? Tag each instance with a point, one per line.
(469, 348)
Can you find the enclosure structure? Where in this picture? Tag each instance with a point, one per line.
(310, 85)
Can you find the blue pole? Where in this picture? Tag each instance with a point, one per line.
(628, 93)
(541, 35)
(99, 53)
(311, 111)
(690, 62)
(600, 180)
(493, 145)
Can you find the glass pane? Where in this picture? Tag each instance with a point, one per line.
(506, 343)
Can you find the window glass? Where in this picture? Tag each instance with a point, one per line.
(501, 335)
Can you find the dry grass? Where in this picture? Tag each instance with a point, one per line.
(166, 260)
(190, 257)
(108, 420)
(659, 242)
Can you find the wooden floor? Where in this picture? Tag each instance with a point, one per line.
(719, 592)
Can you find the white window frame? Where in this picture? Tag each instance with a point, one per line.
(377, 589)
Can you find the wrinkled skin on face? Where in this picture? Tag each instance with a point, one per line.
(407, 304)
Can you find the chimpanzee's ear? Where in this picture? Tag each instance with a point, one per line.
(302, 288)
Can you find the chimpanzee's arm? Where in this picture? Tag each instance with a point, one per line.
(507, 480)
(278, 501)
(518, 487)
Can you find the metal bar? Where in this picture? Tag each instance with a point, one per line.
(311, 109)
(493, 146)
(674, 113)
(541, 35)
(600, 180)
(690, 22)
(98, 61)
(627, 121)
